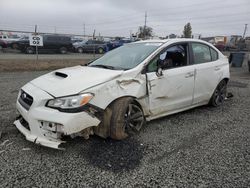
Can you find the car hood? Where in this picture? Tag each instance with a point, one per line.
(70, 81)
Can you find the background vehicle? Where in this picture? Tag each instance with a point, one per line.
(95, 46)
(78, 44)
(9, 38)
(15, 44)
(51, 43)
(117, 43)
(3, 44)
(220, 46)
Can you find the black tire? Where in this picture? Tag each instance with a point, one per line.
(127, 118)
(14, 46)
(219, 94)
(30, 50)
(100, 50)
(80, 50)
(63, 50)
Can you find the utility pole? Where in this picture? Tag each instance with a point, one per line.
(84, 29)
(55, 29)
(145, 25)
(245, 30)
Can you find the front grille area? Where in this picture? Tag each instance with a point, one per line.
(24, 123)
(25, 100)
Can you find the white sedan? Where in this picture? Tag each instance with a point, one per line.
(117, 93)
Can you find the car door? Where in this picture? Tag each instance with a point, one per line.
(48, 42)
(173, 89)
(89, 46)
(208, 71)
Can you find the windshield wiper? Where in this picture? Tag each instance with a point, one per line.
(104, 66)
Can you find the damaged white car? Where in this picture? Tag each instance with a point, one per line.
(120, 91)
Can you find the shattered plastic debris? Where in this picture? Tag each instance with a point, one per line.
(26, 149)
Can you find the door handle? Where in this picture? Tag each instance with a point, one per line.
(217, 68)
(190, 74)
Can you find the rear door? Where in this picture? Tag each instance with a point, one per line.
(89, 46)
(173, 90)
(49, 42)
(208, 71)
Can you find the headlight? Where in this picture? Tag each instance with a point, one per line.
(71, 103)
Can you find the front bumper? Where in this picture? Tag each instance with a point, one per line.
(46, 126)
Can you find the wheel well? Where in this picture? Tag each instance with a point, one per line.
(134, 100)
(226, 79)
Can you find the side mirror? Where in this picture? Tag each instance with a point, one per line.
(159, 72)
(159, 67)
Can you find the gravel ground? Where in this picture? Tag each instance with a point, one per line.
(203, 147)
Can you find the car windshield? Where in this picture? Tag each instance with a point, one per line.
(127, 56)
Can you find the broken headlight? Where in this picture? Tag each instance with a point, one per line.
(73, 103)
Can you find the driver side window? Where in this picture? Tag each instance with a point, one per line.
(172, 57)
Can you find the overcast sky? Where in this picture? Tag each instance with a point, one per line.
(120, 17)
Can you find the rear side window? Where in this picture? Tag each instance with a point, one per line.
(214, 54)
(201, 53)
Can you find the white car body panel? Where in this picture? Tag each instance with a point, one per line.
(40, 134)
(176, 90)
(171, 91)
(78, 80)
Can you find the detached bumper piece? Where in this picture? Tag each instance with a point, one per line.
(50, 136)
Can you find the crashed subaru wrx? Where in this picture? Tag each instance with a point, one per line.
(118, 92)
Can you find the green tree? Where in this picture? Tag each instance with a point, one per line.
(145, 32)
(187, 32)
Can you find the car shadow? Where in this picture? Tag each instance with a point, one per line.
(113, 155)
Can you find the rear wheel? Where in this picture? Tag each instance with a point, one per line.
(127, 118)
(63, 50)
(14, 46)
(219, 94)
(100, 50)
(30, 50)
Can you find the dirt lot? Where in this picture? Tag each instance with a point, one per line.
(203, 147)
(23, 62)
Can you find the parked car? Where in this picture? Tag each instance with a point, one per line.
(95, 46)
(117, 93)
(15, 44)
(3, 44)
(117, 43)
(51, 43)
(78, 44)
(75, 40)
(220, 46)
(9, 38)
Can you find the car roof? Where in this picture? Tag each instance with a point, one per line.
(172, 40)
